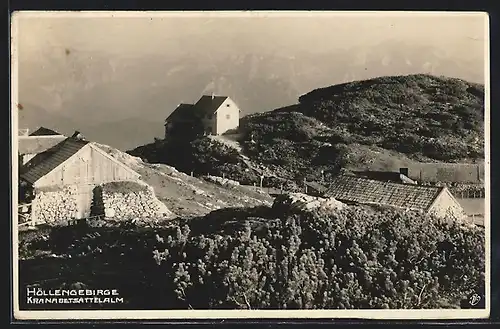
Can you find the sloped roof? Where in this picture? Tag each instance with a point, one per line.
(183, 111)
(368, 191)
(209, 104)
(52, 159)
(37, 144)
(42, 131)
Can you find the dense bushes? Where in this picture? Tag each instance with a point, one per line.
(354, 259)
(261, 258)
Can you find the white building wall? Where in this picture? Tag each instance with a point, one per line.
(228, 117)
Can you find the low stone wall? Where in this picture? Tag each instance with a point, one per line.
(128, 200)
(221, 181)
(304, 202)
(56, 205)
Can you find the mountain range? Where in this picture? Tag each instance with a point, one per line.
(123, 101)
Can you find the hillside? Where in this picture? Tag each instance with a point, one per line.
(188, 196)
(419, 115)
(377, 124)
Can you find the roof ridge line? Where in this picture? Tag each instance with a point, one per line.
(389, 182)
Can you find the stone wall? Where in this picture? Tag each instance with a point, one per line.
(128, 200)
(304, 202)
(221, 181)
(55, 205)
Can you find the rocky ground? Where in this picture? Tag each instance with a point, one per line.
(188, 196)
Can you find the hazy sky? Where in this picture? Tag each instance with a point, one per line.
(136, 68)
(175, 34)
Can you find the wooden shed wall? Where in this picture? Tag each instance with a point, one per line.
(88, 166)
(447, 205)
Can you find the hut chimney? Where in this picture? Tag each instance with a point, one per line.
(78, 135)
(213, 95)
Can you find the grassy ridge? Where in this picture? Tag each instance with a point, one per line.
(378, 124)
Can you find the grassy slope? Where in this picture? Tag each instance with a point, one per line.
(419, 115)
(185, 195)
(378, 124)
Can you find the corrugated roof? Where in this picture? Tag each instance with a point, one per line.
(209, 104)
(37, 144)
(52, 158)
(42, 131)
(368, 191)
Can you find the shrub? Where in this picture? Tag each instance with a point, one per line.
(262, 258)
(352, 259)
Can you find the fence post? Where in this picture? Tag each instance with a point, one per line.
(281, 188)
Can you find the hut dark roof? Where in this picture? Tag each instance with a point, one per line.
(183, 112)
(210, 104)
(42, 131)
(368, 191)
(44, 163)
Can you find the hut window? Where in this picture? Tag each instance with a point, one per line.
(228, 116)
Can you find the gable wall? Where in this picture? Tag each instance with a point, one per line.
(223, 123)
(447, 205)
(86, 167)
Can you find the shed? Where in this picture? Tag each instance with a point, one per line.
(72, 169)
(428, 199)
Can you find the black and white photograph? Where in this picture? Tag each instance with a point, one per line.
(253, 164)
